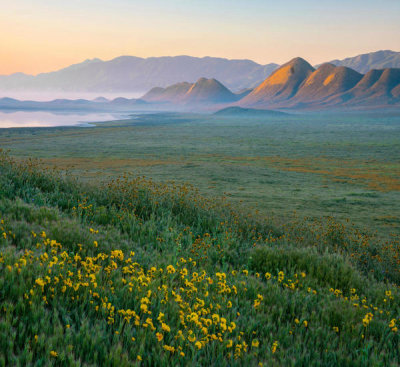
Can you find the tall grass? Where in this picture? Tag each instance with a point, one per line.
(134, 272)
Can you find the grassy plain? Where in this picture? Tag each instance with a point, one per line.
(318, 165)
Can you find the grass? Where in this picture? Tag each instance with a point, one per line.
(341, 166)
(131, 271)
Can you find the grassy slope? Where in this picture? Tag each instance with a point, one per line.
(251, 292)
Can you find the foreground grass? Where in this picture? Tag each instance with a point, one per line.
(134, 272)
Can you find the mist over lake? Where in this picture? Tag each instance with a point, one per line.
(50, 119)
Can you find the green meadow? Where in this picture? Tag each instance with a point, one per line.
(188, 239)
(318, 165)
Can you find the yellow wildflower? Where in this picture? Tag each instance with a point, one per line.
(165, 327)
(169, 348)
(274, 346)
(170, 269)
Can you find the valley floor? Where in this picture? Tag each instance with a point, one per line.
(314, 165)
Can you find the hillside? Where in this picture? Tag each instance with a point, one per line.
(375, 88)
(135, 74)
(374, 60)
(171, 93)
(326, 81)
(203, 91)
(281, 85)
(158, 275)
(208, 91)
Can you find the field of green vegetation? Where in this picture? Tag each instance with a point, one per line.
(100, 265)
(319, 165)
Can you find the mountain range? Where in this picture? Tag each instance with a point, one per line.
(137, 75)
(295, 85)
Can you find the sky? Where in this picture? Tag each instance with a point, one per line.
(46, 35)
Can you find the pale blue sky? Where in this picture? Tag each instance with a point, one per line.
(44, 35)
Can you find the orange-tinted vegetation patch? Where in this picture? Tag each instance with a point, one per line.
(103, 164)
(380, 176)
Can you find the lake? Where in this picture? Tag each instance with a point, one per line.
(51, 119)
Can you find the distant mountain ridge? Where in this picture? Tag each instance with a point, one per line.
(135, 74)
(374, 60)
(98, 104)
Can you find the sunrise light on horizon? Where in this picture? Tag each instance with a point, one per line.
(54, 34)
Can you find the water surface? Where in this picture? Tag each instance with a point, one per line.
(51, 119)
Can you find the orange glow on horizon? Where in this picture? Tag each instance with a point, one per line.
(55, 34)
